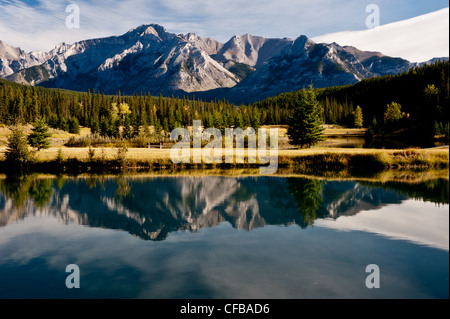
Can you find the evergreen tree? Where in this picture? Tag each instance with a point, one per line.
(158, 129)
(127, 129)
(239, 122)
(247, 120)
(166, 125)
(305, 125)
(218, 121)
(437, 128)
(39, 136)
(17, 153)
(135, 123)
(208, 120)
(73, 125)
(114, 128)
(94, 126)
(431, 94)
(178, 118)
(104, 126)
(146, 129)
(62, 124)
(171, 121)
(256, 119)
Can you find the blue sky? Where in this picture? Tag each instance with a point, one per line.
(40, 24)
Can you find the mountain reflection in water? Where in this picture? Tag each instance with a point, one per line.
(153, 207)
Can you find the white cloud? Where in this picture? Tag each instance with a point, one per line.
(419, 222)
(418, 39)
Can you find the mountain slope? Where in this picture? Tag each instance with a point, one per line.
(149, 59)
(146, 58)
(304, 63)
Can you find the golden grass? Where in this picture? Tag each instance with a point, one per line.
(306, 160)
(81, 153)
(391, 157)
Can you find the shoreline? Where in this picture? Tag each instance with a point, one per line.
(398, 175)
(77, 161)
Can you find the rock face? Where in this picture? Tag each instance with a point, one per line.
(13, 60)
(143, 58)
(251, 50)
(149, 59)
(303, 63)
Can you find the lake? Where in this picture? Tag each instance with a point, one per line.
(188, 237)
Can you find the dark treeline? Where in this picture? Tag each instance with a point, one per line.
(422, 92)
(104, 114)
(435, 191)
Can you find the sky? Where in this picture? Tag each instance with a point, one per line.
(41, 24)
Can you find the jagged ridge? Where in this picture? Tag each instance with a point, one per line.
(149, 59)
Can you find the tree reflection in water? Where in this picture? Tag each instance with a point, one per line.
(22, 188)
(308, 194)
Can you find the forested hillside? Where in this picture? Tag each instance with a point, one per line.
(421, 95)
(20, 104)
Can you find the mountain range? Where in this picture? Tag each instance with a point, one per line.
(149, 59)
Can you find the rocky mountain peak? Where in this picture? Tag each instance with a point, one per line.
(149, 32)
(299, 46)
(9, 52)
(251, 50)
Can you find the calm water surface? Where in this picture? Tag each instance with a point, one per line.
(222, 237)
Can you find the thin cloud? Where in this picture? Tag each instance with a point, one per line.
(41, 25)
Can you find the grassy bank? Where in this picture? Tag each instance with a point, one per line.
(365, 159)
(78, 160)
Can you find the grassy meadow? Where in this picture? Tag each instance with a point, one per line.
(318, 158)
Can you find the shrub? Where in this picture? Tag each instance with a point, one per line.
(17, 153)
(59, 156)
(122, 151)
(140, 141)
(91, 154)
(73, 125)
